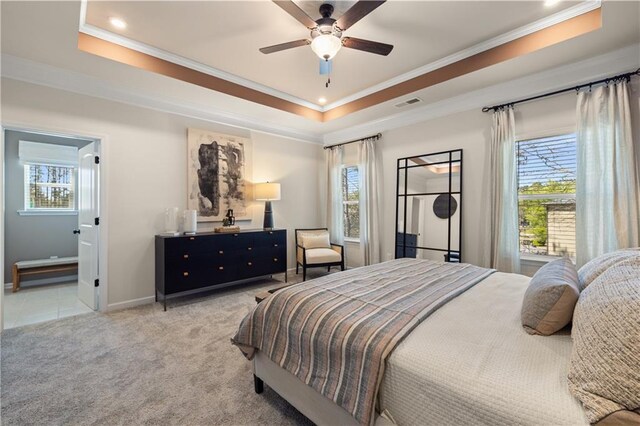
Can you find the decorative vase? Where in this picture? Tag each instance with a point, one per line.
(190, 222)
(171, 221)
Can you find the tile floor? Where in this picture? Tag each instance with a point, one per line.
(42, 303)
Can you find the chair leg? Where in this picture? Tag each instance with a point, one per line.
(328, 268)
(342, 266)
(297, 264)
(304, 273)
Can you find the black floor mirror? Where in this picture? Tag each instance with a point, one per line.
(429, 206)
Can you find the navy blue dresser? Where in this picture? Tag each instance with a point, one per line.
(188, 264)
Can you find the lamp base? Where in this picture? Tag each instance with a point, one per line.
(268, 216)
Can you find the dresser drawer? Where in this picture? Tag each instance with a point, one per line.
(205, 244)
(270, 239)
(185, 279)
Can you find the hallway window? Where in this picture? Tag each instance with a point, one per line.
(48, 187)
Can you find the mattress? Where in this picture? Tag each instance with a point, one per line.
(471, 362)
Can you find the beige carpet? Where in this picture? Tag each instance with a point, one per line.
(139, 366)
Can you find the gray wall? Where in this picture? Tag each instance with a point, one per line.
(32, 237)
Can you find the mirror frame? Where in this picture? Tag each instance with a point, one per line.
(401, 247)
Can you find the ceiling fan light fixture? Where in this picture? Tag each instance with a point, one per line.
(326, 46)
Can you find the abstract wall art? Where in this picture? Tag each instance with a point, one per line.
(219, 175)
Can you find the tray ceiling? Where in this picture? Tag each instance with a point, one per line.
(226, 35)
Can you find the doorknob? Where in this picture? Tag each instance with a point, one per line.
(76, 231)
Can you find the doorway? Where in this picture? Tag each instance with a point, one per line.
(51, 193)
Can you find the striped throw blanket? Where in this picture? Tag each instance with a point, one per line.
(334, 333)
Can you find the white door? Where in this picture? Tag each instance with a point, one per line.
(88, 214)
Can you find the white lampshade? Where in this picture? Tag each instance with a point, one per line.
(326, 46)
(267, 191)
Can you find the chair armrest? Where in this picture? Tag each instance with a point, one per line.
(339, 249)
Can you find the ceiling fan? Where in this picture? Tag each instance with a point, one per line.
(326, 33)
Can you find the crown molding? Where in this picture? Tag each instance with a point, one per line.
(615, 62)
(41, 74)
(549, 21)
(507, 37)
(185, 62)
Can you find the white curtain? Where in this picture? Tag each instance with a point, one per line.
(370, 177)
(335, 220)
(607, 207)
(503, 220)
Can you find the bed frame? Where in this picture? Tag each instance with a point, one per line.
(316, 407)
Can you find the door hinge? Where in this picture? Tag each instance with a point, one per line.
(97, 221)
(96, 283)
(96, 159)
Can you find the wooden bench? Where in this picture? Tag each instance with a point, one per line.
(42, 266)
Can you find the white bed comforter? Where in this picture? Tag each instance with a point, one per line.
(472, 362)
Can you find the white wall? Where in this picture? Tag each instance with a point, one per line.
(147, 172)
(468, 131)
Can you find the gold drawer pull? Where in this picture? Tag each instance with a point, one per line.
(192, 238)
(249, 248)
(186, 274)
(275, 259)
(221, 268)
(249, 263)
(221, 252)
(186, 256)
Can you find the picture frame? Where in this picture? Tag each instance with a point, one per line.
(218, 175)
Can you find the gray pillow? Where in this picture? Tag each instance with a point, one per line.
(595, 267)
(604, 372)
(550, 298)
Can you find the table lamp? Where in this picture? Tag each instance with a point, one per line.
(267, 192)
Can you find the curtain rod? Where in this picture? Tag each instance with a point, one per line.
(376, 137)
(626, 76)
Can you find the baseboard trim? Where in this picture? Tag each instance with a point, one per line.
(43, 281)
(130, 303)
(151, 299)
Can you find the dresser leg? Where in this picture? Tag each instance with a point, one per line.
(258, 384)
(286, 277)
(164, 299)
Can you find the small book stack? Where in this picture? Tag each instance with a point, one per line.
(222, 229)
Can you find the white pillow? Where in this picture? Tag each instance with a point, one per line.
(313, 241)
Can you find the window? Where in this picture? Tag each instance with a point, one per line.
(351, 202)
(48, 187)
(547, 195)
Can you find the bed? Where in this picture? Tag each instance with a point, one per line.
(468, 361)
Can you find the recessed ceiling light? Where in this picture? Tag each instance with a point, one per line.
(322, 100)
(118, 23)
(549, 3)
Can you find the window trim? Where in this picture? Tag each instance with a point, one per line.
(43, 211)
(47, 212)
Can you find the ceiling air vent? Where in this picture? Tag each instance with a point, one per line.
(408, 102)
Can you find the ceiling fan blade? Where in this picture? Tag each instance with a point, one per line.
(284, 46)
(292, 9)
(357, 12)
(367, 45)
